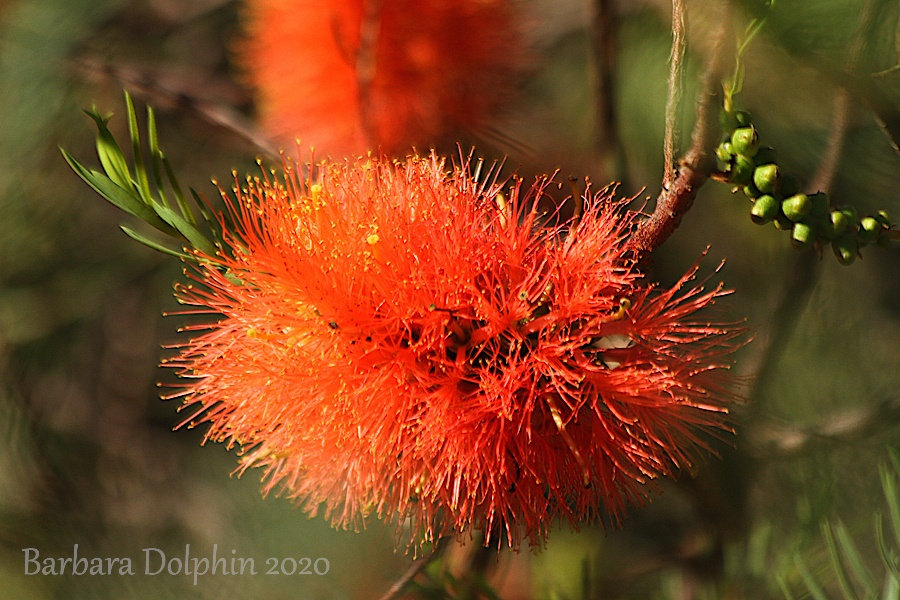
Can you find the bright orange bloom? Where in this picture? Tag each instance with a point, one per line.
(401, 340)
(347, 76)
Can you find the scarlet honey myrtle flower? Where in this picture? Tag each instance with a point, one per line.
(349, 75)
(399, 339)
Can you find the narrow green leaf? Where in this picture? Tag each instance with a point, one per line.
(888, 557)
(196, 239)
(784, 588)
(110, 155)
(814, 588)
(889, 484)
(140, 169)
(843, 582)
(156, 156)
(118, 196)
(179, 195)
(211, 219)
(891, 589)
(753, 28)
(895, 459)
(855, 561)
(156, 245)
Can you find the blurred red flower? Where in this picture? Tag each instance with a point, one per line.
(347, 76)
(400, 339)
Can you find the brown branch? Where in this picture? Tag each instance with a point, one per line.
(414, 569)
(698, 164)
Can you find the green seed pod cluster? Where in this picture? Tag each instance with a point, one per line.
(753, 169)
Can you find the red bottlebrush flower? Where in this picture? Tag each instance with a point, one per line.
(353, 75)
(401, 340)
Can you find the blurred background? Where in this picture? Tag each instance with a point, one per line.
(87, 451)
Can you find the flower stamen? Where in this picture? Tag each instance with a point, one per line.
(561, 426)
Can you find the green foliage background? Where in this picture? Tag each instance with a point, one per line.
(87, 455)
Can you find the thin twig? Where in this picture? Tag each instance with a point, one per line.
(676, 89)
(143, 84)
(414, 569)
(697, 165)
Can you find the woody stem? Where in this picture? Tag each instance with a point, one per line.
(698, 163)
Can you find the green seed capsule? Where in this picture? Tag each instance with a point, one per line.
(884, 219)
(839, 223)
(797, 207)
(751, 192)
(850, 211)
(741, 170)
(845, 249)
(782, 222)
(766, 178)
(868, 230)
(804, 234)
(745, 140)
(852, 218)
(766, 155)
(765, 209)
(725, 152)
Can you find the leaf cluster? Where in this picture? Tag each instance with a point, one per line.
(129, 188)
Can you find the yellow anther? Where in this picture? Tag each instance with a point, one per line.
(314, 191)
(624, 305)
(621, 312)
(502, 205)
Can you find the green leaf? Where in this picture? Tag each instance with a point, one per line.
(889, 484)
(179, 195)
(853, 558)
(214, 224)
(891, 589)
(111, 156)
(196, 239)
(888, 556)
(815, 590)
(156, 245)
(784, 588)
(836, 562)
(156, 156)
(122, 198)
(140, 169)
